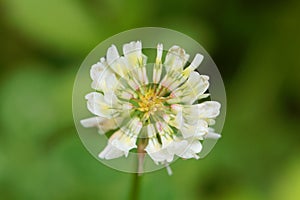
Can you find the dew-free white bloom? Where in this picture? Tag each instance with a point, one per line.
(158, 100)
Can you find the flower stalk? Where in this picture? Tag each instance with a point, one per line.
(135, 188)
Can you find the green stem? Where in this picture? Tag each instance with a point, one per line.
(135, 190)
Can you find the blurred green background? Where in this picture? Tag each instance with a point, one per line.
(256, 46)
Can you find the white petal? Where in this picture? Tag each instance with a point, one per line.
(176, 58)
(178, 147)
(156, 152)
(166, 117)
(176, 107)
(97, 70)
(126, 144)
(188, 122)
(166, 81)
(211, 122)
(141, 75)
(126, 106)
(112, 54)
(110, 152)
(192, 149)
(191, 90)
(125, 138)
(194, 64)
(123, 141)
(159, 53)
(133, 83)
(203, 96)
(126, 95)
(169, 170)
(134, 126)
(173, 79)
(151, 131)
(161, 155)
(196, 61)
(103, 124)
(212, 135)
(100, 73)
(157, 74)
(196, 146)
(197, 83)
(166, 140)
(132, 47)
(191, 113)
(110, 98)
(190, 130)
(92, 122)
(177, 121)
(110, 83)
(165, 133)
(157, 70)
(209, 109)
(134, 57)
(97, 105)
(120, 66)
(109, 124)
(154, 148)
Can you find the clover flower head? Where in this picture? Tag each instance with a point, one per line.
(159, 108)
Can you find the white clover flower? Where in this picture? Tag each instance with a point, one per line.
(154, 106)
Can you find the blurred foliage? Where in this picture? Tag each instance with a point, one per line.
(255, 45)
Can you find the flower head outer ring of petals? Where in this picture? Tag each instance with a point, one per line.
(111, 145)
(163, 148)
(125, 140)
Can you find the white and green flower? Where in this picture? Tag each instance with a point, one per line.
(161, 107)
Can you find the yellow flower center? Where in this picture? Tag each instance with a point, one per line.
(150, 101)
